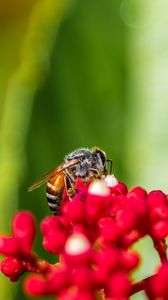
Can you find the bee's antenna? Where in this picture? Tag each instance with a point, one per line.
(111, 164)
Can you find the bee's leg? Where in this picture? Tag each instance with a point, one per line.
(92, 174)
(69, 185)
(93, 171)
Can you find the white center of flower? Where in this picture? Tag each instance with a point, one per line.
(111, 180)
(99, 187)
(77, 244)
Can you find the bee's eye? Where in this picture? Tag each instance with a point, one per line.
(102, 156)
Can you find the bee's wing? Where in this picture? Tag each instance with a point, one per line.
(52, 173)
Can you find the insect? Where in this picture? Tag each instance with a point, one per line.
(84, 163)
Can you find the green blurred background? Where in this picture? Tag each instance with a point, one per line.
(79, 74)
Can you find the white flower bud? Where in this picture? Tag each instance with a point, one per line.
(77, 244)
(99, 187)
(111, 180)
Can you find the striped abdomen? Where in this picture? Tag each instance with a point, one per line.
(55, 188)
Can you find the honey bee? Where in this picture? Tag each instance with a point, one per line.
(83, 163)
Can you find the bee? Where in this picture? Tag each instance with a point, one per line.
(82, 163)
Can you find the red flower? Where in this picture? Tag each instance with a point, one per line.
(18, 248)
(93, 237)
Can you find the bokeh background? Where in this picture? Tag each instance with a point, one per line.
(76, 74)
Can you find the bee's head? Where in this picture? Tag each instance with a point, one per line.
(101, 160)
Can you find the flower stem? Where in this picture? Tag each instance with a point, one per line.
(140, 285)
(160, 246)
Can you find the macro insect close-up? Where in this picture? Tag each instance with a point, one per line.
(76, 74)
(82, 163)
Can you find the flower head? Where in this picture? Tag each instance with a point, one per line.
(93, 236)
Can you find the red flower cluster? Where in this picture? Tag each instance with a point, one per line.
(18, 248)
(92, 236)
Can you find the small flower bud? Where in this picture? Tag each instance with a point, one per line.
(77, 250)
(129, 259)
(160, 229)
(75, 211)
(58, 280)
(109, 230)
(118, 285)
(9, 246)
(138, 193)
(156, 199)
(79, 278)
(99, 187)
(52, 223)
(12, 267)
(24, 228)
(107, 261)
(111, 180)
(35, 286)
(159, 213)
(120, 188)
(77, 244)
(98, 202)
(54, 242)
